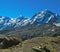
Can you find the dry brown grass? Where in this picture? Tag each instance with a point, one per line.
(51, 43)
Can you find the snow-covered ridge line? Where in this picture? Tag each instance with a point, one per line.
(42, 17)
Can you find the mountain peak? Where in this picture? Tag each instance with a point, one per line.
(42, 17)
(47, 11)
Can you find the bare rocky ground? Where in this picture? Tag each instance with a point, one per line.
(48, 44)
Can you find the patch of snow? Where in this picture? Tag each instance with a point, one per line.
(50, 18)
(3, 17)
(53, 30)
(25, 22)
(12, 20)
(7, 24)
(57, 24)
(1, 21)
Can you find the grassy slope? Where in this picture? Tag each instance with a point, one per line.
(52, 43)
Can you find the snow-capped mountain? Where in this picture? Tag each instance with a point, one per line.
(42, 17)
(45, 16)
(6, 22)
(22, 21)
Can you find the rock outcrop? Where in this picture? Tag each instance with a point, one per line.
(8, 41)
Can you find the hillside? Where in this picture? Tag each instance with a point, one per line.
(31, 31)
(50, 44)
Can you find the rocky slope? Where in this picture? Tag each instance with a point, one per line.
(32, 31)
(50, 44)
(8, 41)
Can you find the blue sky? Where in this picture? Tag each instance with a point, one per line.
(14, 8)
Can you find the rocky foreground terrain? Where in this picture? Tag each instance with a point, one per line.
(37, 44)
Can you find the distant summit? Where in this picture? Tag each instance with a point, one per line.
(42, 17)
(45, 16)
